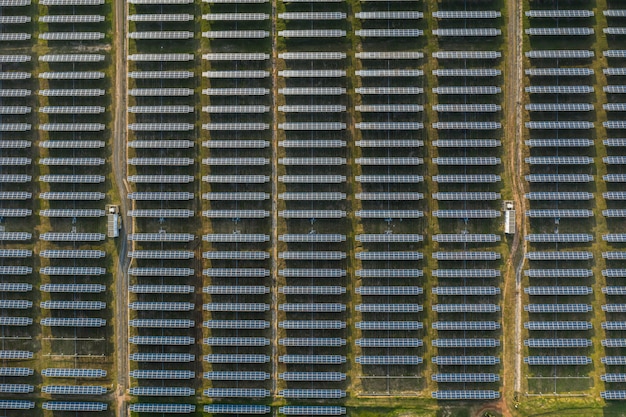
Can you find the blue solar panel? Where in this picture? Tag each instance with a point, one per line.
(162, 391)
(389, 360)
(162, 408)
(465, 360)
(466, 377)
(236, 409)
(557, 343)
(557, 360)
(557, 325)
(465, 395)
(236, 358)
(313, 359)
(312, 410)
(236, 393)
(312, 376)
(312, 393)
(465, 343)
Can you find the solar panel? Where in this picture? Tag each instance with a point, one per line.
(389, 273)
(312, 290)
(559, 290)
(312, 238)
(465, 360)
(236, 409)
(395, 342)
(232, 289)
(389, 325)
(614, 290)
(311, 324)
(388, 214)
(312, 255)
(389, 256)
(73, 288)
(72, 270)
(466, 308)
(465, 343)
(236, 272)
(563, 54)
(462, 14)
(159, 271)
(312, 342)
(236, 341)
(563, 196)
(15, 287)
(561, 31)
(563, 213)
(236, 324)
(82, 58)
(16, 388)
(162, 323)
(161, 35)
(557, 360)
(312, 410)
(560, 125)
(161, 306)
(312, 393)
(559, 255)
(254, 307)
(161, 340)
(16, 405)
(389, 308)
(395, 290)
(162, 391)
(465, 179)
(466, 290)
(466, 238)
(389, 55)
(465, 325)
(466, 214)
(557, 272)
(165, 17)
(312, 376)
(236, 376)
(161, 374)
(557, 325)
(465, 395)
(465, 377)
(312, 359)
(74, 389)
(16, 354)
(161, 357)
(558, 308)
(559, 107)
(73, 305)
(401, 15)
(557, 343)
(614, 273)
(16, 371)
(73, 322)
(467, 32)
(73, 373)
(236, 393)
(162, 407)
(236, 358)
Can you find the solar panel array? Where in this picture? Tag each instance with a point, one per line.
(612, 325)
(161, 167)
(391, 97)
(466, 198)
(561, 193)
(71, 135)
(16, 102)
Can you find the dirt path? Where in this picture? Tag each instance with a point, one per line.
(119, 170)
(514, 123)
